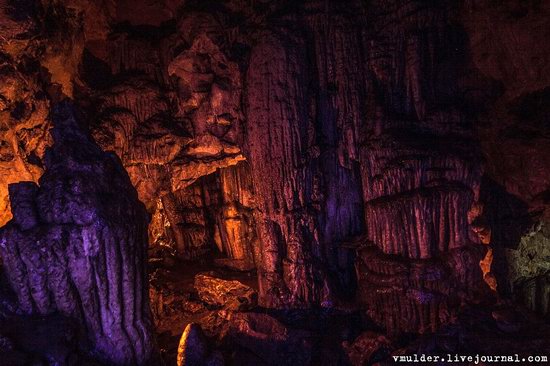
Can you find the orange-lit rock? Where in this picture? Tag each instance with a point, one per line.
(24, 125)
(385, 156)
(193, 349)
(232, 295)
(485, 265)
(238, 236)
(174, 121)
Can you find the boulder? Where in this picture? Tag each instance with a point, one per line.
(267, 338)
(232, 295)
(193, 349)
(364, 349)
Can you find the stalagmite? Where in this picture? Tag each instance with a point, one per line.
(77, 246)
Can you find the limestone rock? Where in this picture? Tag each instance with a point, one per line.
(232, 295)
(193, 349)
(84, 256)
(418, 296)
(269, 339)
(364, 349)
(281, 172)
(23, 133)
(529, 269)
(268, 134)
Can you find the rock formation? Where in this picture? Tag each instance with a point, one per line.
(513, 131)
(193, 349)
(279, 140)
(421, 173)
(367, 347)
(24, 106)
(77, 246)
(382, 161)
(268, 340)
(415, 295)
(231, 295)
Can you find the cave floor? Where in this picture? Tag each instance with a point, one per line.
(176, 304)
(338, 336)
(332, 337)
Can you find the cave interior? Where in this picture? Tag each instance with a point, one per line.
(285, 182)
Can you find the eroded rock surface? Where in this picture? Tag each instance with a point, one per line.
(232, 295)
(267, 338)
(367, 348)
(267, 135)
(77, 246)
(24, 106)
(529, 270)
(419, 295)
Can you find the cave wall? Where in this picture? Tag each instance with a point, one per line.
(513, 132)
(24, 106)
(335, 146)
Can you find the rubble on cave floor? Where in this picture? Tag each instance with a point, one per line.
(319, 336)
(259, 336)
(246, 335)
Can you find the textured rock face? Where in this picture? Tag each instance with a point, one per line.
(309, 99)
(174, 111)
(214, 212)
(278, 139)
(514, 135)
(529, 270)
(23, 106)
(366, 347)
(267, 134)
(232, 295)
(77, 245)
(421, 172)
(418, 295)
(169, 106)
(304, 112)
(238, 236)
(420, 167)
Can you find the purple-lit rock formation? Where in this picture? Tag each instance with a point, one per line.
(77, 246)
(421, 173)
(305, 111)
(418, 295)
